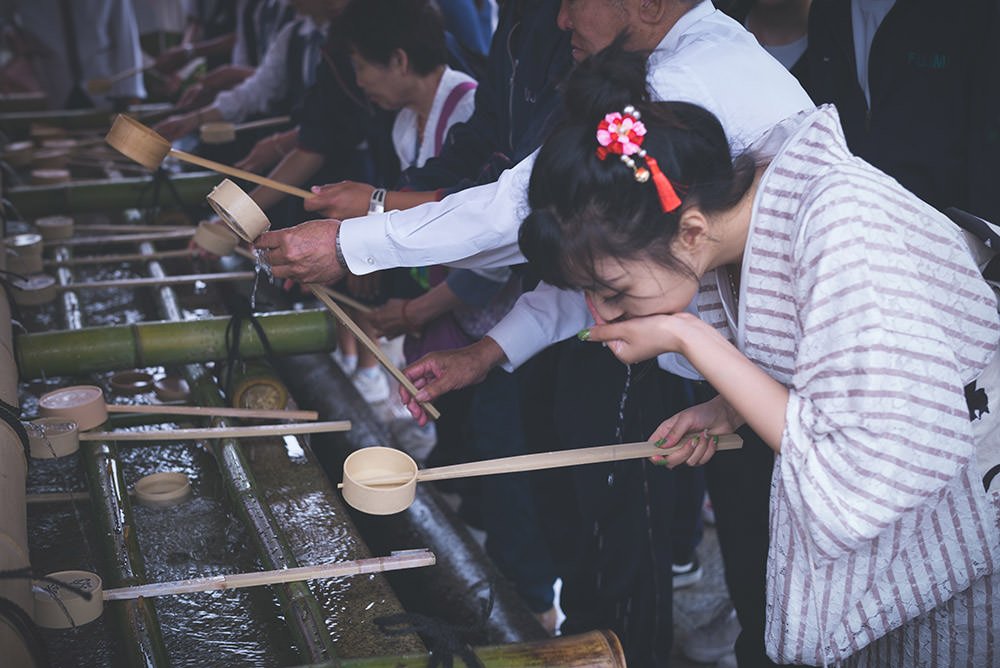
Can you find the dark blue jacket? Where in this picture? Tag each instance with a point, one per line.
(934, 121)
(516, 103)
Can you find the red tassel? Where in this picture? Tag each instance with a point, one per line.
(668, 196)
(602, 152)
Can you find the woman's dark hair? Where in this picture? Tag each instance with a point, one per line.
(584, 208)
(376, 28)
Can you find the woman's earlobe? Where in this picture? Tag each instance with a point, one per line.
(692, 230)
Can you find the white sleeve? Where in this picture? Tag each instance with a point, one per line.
(473, 228)
(254, 95)
(539, 318)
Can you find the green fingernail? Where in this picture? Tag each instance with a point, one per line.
(583, 334)
(660, 442)
(716, 440)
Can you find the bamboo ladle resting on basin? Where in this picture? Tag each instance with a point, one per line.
(383, 481)
(144, 145)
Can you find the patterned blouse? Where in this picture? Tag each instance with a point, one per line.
(865, 302)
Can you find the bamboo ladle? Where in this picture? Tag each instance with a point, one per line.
(218, 132)
(147, 147)
(383, 481)
(244, 217)
(101, 85)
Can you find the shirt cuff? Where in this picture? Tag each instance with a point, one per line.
(364, 243)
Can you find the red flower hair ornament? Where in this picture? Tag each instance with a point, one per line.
(622, 134)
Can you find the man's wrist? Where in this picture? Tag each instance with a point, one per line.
(339, 251)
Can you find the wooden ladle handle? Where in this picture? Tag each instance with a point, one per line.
(239, 173)
(550, 460)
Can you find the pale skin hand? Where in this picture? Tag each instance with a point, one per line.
(751, 393)
(305, 253)
(347, 199)
(708, 420)
(441, 372)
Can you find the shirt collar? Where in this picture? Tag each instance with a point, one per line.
(692, 16)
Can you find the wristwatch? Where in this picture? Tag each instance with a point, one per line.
(377, 202)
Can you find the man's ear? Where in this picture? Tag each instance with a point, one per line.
(399, 60)
(653, 11)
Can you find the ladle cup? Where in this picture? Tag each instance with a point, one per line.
(383, 481)
(147, 147)
(220, 132)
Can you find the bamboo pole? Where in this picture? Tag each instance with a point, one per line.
(56, 497)
(122, 562)
(359, 334)
(184, 279)
(595, 649)
(346, 300)
(106, 194)
(394, 562)
(255, 431)
(122, 238)
(111, 259)
(18, 123)
(221, 411)
(303, 615)
(145, 344)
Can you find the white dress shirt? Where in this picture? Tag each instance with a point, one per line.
(257, 94)
(706, 58)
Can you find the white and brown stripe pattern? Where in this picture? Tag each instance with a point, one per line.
(866, 303)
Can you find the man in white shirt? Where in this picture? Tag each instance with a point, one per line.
(699, 56)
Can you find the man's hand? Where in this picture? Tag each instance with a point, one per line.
(343, 200)
(441, 372)
(305, 253)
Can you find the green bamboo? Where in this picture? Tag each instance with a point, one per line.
(122, 559)
(144, 344)
(596, 649)
(303, 614)
(107, 194)
(17, 123)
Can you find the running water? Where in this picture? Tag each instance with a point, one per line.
(620, 427)
(260, 266)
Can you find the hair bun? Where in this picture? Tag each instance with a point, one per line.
(606, 82)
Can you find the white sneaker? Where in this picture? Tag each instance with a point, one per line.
(727, 661)
(349, 363)
(372, 384)
(713, 641)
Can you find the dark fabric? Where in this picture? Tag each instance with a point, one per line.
(516, 103)
(609, 525)
(336, 119)
(469, 21)
(934, 121)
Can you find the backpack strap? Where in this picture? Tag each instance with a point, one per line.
(450, 102)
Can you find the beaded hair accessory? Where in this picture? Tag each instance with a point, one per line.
(622, 134)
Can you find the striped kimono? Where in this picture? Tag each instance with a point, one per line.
(866, 304)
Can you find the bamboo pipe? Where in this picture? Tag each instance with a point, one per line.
(546, 460)
(386, 363)
(160, 409)
(123, 238)
(395, 562)
(142, 144)
(183, 279)
(221, 132)
(19, 123)
(120, 554)
(255, 431)
(97, 228)
(104, 194)
(305, 618)
(594, 649)
(121, 257)
(142, 344)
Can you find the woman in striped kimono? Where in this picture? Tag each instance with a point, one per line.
(840, 317)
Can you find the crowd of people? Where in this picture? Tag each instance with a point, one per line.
(761, 209)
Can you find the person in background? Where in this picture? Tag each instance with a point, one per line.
(916, 86)
(277, 86)
(85, 40)
(781, 27)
